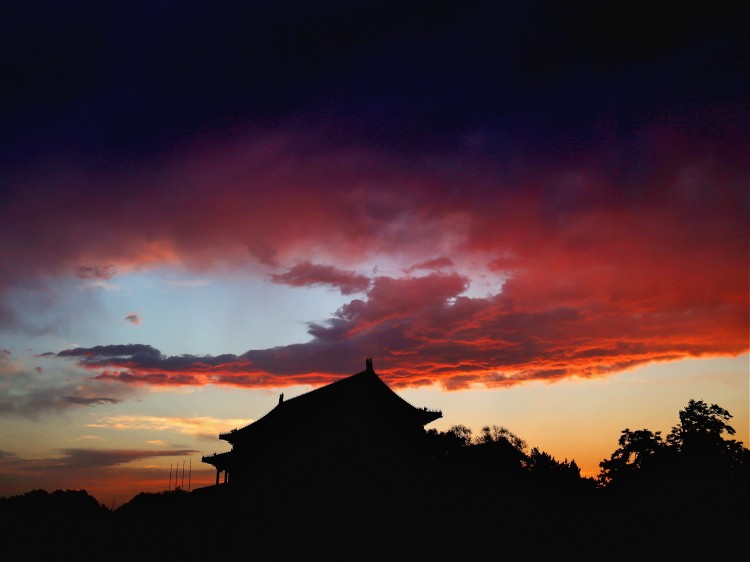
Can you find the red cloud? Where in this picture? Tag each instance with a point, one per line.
(307, 274)
(607, 260)
(133, 318)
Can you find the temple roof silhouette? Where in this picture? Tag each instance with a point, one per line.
(359, 407)
(363, 390)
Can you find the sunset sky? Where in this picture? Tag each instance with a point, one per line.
(534, 215)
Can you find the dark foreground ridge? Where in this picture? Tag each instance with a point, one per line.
(460, 515)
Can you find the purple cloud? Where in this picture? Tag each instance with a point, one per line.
(307, 274)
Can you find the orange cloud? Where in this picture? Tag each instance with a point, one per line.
(203, 426)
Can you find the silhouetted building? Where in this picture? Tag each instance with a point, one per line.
(356, 423)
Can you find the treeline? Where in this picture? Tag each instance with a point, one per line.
(698, 449)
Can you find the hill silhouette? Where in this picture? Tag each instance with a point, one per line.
(474, 498)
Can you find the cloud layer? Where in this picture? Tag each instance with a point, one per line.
(503, 195)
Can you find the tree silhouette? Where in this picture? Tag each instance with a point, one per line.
(699, 438)
(543, 464)
(497, 434)
(442, 443)
(461, 433)
(695, 453)
(639, 451)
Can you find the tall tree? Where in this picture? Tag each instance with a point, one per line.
(699, 438)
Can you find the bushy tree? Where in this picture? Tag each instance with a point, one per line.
(461, 433)
(497, 434)
(542, 463)
(499, 450)
(443, 442)
(638, 451)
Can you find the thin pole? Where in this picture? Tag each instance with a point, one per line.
(190, 472)
(182, 486)
(169, 489)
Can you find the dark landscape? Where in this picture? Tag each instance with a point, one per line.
(477, 497)
(534, 214)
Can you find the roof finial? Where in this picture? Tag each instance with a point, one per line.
(368, 365)
(281, 398)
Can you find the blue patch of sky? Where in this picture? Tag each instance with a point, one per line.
(214, 314)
